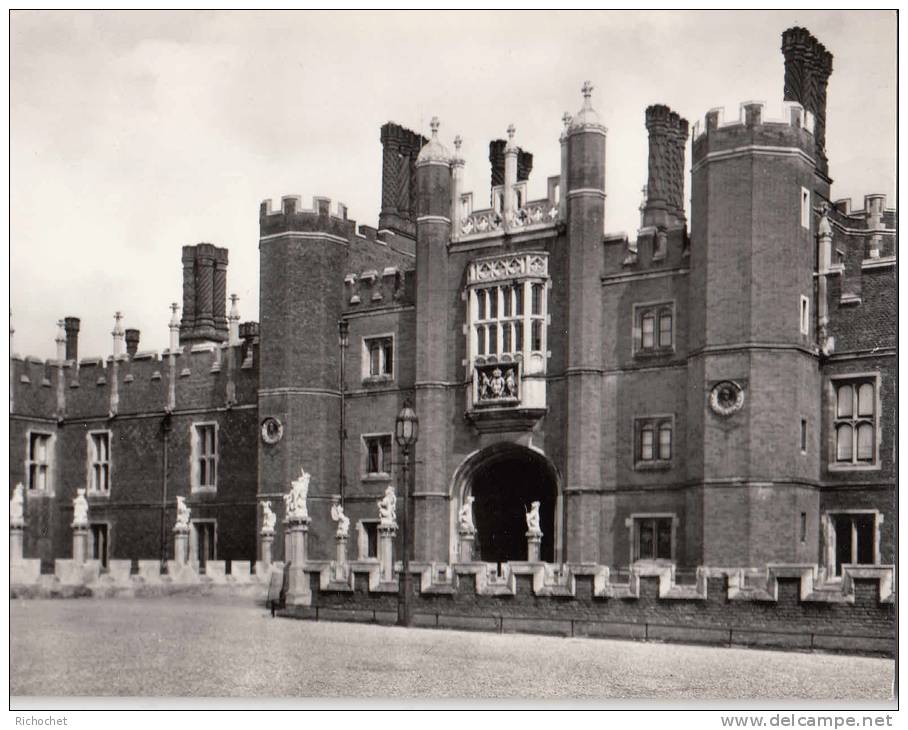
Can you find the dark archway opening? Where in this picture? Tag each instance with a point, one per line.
(504, 485)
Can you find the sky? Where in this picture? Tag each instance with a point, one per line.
(133, 133)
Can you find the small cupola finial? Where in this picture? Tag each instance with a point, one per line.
(587, 90)
(587, 116)
(457, 142)
(433, 150)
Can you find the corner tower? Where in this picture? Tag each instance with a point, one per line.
(753, 376)
(302, 254)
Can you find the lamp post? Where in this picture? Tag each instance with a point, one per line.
(406, 433)
(343, 339)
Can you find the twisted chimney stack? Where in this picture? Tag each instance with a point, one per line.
(665, 180)
(808, 66)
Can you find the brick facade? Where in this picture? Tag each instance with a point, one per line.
(735, 488)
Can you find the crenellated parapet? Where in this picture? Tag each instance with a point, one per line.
(857, 252)
(201, 374)
(290, 217)
(715, 136)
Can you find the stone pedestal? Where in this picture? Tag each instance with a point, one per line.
(286, 541)
(467, 539)
(181, 545)
(298, 531)
(298, 592)
(80, 544)
(534, 542)
(340, 565)
(386, 534)
(267, 541)
(340, 542)
(16, 535)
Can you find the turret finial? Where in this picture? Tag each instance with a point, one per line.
(174, 319)
(587, 90)
(566, 119)
(434, 125)
(511, 130)
(457, 142)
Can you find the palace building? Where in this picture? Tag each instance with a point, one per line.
(715, 391)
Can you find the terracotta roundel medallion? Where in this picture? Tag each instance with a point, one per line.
(272, 430)
(726, 398)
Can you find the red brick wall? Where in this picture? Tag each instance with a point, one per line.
(865, 625)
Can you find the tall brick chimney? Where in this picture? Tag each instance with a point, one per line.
(400, 147)
(496, 157)
(204, 294)
(71, 327)
(132, 342)
(665, 179)
(808, 66)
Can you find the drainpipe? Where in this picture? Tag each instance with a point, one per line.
(343, 339)
(165, 428)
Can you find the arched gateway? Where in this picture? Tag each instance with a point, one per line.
(504, 479)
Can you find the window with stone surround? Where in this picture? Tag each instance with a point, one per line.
(654, 328)
(378, 357)
(856, 421)
(852, 538)
(99, 462)
(39, 463)
(653, 441)
(204, 456)
(100, 542)
(652, 536)
(507, 323)
(377, 453)
(367, 539)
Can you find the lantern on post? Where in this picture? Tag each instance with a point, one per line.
(406, 433)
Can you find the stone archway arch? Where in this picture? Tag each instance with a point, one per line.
(505, 477)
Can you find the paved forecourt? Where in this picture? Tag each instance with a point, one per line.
(228, 647)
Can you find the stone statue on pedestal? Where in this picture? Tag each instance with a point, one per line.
(297, 509)
(80, 509)
(387, 508)
(17, 507)
(343, 522)
(182, 515)
(465, 515)
(533, 519)
(268, 518)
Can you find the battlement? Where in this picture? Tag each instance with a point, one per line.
(293, 204)
(873, 216)
(752, 114)
(102, 386)
(292, 216)
(753, 129)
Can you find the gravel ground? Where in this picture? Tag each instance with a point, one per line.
(229, 647)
